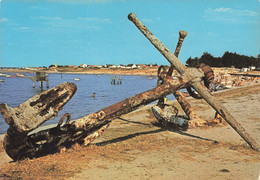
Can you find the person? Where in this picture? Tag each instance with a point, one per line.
(94, 95)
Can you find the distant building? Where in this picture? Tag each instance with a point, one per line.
(252, 68)
(131, 66)
(121, 66)
(113, 67)
(142, 66)
(108, 65)
(83, 65)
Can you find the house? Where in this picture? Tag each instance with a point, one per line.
(121, 66)
(83, 66)
(113, 67)
(108, 65)
(142, 66)
(131, 66)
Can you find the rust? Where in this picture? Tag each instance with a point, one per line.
(196, 84)
(208, 74)
(182, 35)
(38, 109)
(84, 130)
(19, 144)
(68, 116)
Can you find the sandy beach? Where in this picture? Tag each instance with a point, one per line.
(134, 147)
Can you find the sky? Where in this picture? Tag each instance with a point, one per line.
(72, 32)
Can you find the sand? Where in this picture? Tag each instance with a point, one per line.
(133, 147)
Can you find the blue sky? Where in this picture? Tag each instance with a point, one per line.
(72, 32)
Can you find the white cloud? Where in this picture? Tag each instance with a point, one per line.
(71, 1)
(24, 28)
(49, 18)
(236, 12)
(230, 15)
(146, 20)
(151, 19)
(99, 20)
(2, 20)
(84, 1)
(70, 24)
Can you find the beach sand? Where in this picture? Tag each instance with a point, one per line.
(133, 147)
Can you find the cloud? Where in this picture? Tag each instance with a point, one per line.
(84, 1)
(150, 19)
(146, 20)
(24, 28)
(83, 23)
(71, 1)
(230, 15)
(2, 20)
(98, 20)
(49, 18)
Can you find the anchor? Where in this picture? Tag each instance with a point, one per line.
(21, 141)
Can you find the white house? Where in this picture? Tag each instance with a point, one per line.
(83, 65)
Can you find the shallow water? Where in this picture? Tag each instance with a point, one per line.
(15, 91)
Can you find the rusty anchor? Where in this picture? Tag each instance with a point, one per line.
(195, 83)
(167, 114)
(20, 142)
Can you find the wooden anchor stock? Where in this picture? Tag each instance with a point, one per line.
(196, 83)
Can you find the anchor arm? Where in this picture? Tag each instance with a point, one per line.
(201, 89)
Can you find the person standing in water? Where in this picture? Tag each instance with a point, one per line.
(94, 95)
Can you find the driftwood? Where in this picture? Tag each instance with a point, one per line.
(20, 142)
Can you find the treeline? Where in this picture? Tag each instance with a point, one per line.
(227, 60)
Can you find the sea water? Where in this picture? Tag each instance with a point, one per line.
(14, 91)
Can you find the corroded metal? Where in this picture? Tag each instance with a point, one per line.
(182, 35)
(207, 79)
(20, 144)
(168, 119)
(35, 111)
(187, 108)
(196, 83)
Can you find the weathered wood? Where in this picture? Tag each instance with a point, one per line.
(196, 84)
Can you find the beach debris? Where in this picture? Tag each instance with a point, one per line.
(196, 83)
(22, 139)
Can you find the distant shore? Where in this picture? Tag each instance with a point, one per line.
(151, 71)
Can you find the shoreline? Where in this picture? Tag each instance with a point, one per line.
(86, 71)
(133, 146)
